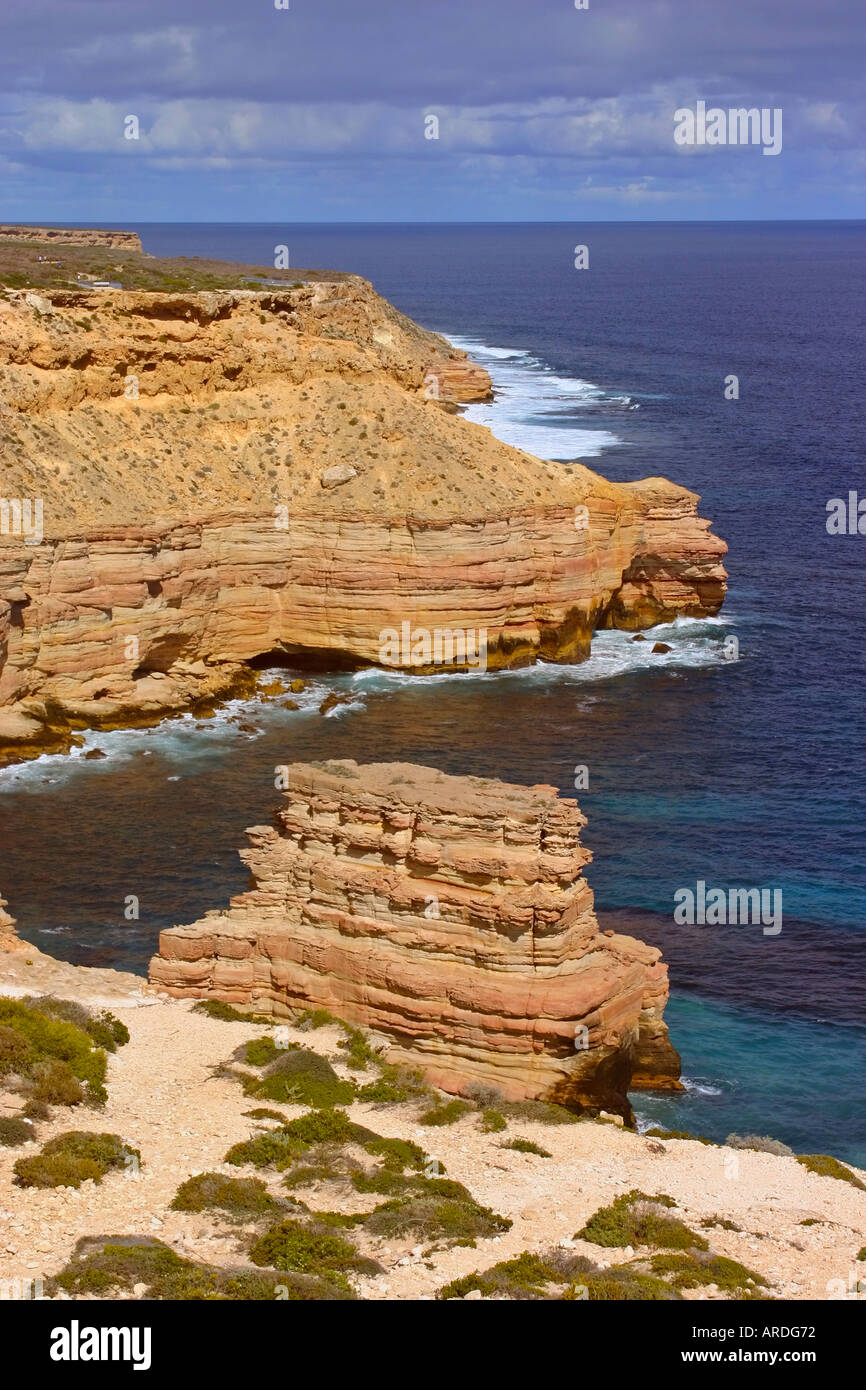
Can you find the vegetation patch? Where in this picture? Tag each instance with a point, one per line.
(310, 1248)
(302, 1078)
(70, 1159)
(679, 1134)
(121, 1262)
(542, 1112)
(280, 1147)
(526, 1146)
(260, 1052)
(13, 1132)
(103, 1027)
(493, 1122)
(721, 1221)
(694, 1270)
(827, 1167)
(445, 1114)
(436, 1209)
(531, 1277)
(241, 1198)
(215, 1008)
(761, 1143)
(56, 1059)
(636, 1219)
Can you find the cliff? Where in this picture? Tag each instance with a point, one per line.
(72, 236)
(203, 478)
(448, 914)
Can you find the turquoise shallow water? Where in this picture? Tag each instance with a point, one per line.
(749, 1074)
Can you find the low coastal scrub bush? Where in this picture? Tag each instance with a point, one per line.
(861, 1253)
(55, 1060)
(301, 1078)
(526, 1146)
(241, 1198)
(394, 1085)
(437, 1209)
(493, 1122)
(446, 1113)
(121, 1262)
(720, 1221)
(70, 1159)
(14, 1132)
(542, 1112)
(215, 1008)
(260, 1052)
(106, 1031)
(261, 1112)
(761, 1143)
(636, 1219)
(310, 1248)
(695, 1270)
(532, 1277)
(827, 1167)
(280, 1147)
(678, 1134)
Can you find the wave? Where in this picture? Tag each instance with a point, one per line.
(536, 409)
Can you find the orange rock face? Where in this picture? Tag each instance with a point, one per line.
(448, 914)
(222, 475)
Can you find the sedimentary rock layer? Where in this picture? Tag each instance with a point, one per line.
(450, 915)
(221, 475)
(72, 236)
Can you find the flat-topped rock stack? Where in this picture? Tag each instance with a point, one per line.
(448, 914)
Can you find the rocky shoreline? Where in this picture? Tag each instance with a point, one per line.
(225, 475)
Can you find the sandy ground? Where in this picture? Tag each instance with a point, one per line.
(166, 1101)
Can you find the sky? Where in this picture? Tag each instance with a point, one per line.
(322, 110)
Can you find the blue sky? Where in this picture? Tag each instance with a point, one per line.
(318, 112)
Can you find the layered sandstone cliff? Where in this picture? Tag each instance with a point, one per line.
(205, 478)
(71, 236)
(448, 914)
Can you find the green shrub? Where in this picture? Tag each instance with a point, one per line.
(53, 1083)
(308, 1249)
(242, 1198)
(397, 1154)
(260, 1052)
(70, 1159)
(314, 1018)
(446, 1114)
(358, 1048)
(679, 1134)
(53, 1041)
(540, 1111)
(861, 1253)
(215, 1008)
(827, 1167)
(526, 1146)
(120, 1262)
(761, 1143)
(492, 1122)
(693, 1271)
(302, 1078)
(635, 1219)
(262, 1113)
(14, 1132)
(16, 1053)
(622, 1286)
(450, 1214)
(103, 1027)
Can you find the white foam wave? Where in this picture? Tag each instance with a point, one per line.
(534, 408)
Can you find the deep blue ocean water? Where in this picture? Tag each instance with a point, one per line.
(742, 774)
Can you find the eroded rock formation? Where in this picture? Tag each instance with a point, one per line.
(72, 236)
(221, 475)
(448, 914)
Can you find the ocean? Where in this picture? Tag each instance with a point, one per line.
(747, 773)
